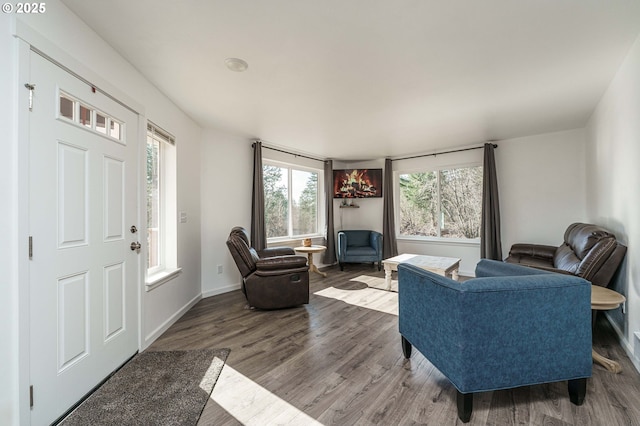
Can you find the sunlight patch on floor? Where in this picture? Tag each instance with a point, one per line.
(370, 298)
(209, 379)
(251, 404)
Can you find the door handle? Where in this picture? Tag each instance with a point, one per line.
(135, 246)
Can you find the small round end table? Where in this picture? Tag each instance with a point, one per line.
(310, 251)
(603, 299)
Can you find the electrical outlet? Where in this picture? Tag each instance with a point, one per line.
(220, 269)
(183, 217)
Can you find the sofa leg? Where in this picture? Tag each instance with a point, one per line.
(341, 266)
(379, 265)
(465, 406)
(406, 347)
(577, 391)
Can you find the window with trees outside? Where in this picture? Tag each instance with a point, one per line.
(443, 203)
(292, 201)
(161, 200)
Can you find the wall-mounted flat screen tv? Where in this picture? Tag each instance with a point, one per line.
(357, 183)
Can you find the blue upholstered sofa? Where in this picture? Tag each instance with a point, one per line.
(510, 326)
(359, 246)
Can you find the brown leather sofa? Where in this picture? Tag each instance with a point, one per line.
(272, 278)
(588, 251)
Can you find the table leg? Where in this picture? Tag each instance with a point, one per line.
(454, 275)
(313, 267)
(387, 277)
(612, 366)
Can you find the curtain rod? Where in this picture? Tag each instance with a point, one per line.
(290, 153)
(440, 153)
(393, 159)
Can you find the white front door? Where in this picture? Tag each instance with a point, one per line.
(82, 204)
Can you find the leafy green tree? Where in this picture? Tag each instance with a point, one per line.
(455, 213)
(419, 204)
(307, 207)
(461, 196)
(276, 202)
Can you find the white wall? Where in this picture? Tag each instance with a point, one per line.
(369, 215)
(227, 175)
(63, 36)
(613, 151)
(8, 229)
(542, 187)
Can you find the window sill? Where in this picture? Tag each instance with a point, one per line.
(288, 241)
(445, 241)
(162, 277)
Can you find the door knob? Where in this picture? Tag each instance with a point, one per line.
(135, 246)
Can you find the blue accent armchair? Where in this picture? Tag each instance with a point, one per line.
(510, 326)
(359, 246)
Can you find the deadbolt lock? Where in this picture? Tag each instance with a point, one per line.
(134, 229)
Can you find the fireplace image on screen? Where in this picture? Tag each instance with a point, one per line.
(357, 183)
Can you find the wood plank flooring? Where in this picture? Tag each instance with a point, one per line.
(338, 361)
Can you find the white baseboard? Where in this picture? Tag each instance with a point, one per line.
(151, 337)
(628, 348)
(471, 273)
(221, 290)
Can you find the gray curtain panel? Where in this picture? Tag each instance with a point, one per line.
(258, 230)
(389, 242)
(490, 244)
(330, 253)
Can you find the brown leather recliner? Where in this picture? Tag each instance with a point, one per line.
(588, 251)
(273, 278)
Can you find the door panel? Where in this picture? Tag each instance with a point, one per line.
(73, 320)
(72, 188)
(83, 275)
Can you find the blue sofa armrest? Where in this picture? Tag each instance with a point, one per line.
(342, 245)
(375, 240)
(498, 332)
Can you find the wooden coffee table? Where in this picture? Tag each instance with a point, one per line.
(603, 299)
(445, 266)
(310, 250)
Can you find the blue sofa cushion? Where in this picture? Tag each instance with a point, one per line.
(359, 239)
(361, 251)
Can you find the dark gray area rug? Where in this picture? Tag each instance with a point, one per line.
(154, 388)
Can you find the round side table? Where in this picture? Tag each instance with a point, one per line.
(603, 299)
(310, 251)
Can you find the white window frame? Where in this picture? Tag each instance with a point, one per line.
(436, 239)
(320, 215)
(167, 262)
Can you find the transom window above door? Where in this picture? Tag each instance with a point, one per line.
(74, 111)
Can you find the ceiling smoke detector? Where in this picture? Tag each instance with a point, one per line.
(236, 64)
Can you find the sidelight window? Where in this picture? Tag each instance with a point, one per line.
(161, 201)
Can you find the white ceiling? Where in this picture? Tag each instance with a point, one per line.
(360, 79)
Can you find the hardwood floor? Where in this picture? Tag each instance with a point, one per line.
(338, 361)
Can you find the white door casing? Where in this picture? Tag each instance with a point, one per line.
(83, 274)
